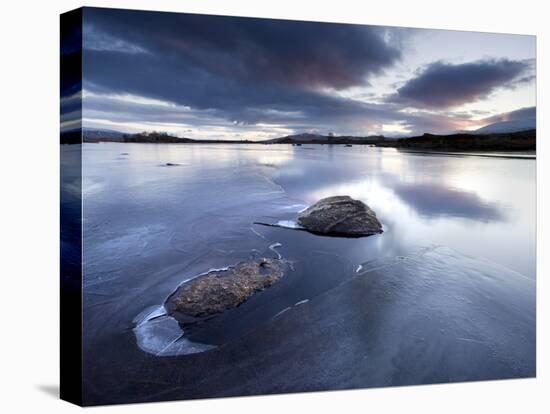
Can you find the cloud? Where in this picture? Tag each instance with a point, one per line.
(304, 112)
(245, 71)
(305, 54)
(322, 115)
(96, 40)
(232, 75)
(445, 85)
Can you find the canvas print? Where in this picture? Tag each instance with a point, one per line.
(257, 206)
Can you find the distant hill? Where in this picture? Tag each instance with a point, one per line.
(524, 140)
(97, 135)
(105, 135)
(302, 138)
(94, 136)
(307, 138)
(509, 141)
(155, 137)
(508, 126)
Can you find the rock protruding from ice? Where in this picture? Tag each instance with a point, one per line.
(340, 216)
(218, 291)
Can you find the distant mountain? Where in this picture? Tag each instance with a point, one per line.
(308, 138)
(508, 126)
(302, 138)
(509, 141)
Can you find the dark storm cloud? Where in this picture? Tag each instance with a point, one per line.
(444, 85)
(304, 54)
(177, 81)
(246, 70)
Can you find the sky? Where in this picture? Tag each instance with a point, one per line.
(217, 77)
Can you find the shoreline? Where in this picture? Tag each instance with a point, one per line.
(490, 154)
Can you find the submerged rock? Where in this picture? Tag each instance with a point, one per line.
(340, 216)
(220, 290)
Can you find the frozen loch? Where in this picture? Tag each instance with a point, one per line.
(445, 293)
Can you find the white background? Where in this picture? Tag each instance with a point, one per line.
(29, 197)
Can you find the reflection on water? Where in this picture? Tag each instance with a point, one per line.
(434, 199)
(480, 206)
(149, 227)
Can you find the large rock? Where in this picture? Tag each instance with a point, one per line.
(220, 290)
(340, 216)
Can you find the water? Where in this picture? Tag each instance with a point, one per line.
(446, 293)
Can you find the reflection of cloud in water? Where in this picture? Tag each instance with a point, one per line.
(433, 199)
